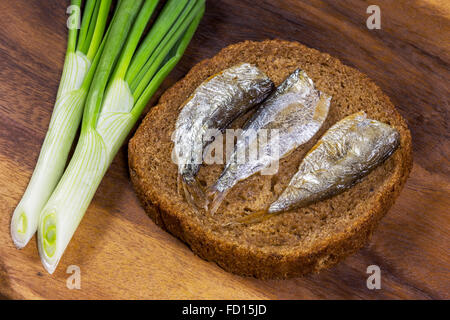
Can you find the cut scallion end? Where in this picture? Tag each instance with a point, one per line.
(19, 228)
(49, 231)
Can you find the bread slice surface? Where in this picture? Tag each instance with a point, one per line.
(293, 243)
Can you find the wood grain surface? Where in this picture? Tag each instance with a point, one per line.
(122, 254)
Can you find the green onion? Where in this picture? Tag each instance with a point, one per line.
(80, 63)
(111, 112)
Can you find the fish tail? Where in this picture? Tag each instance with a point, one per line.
(194, 194)
(217, 198)
(255, 217)
(179, 185)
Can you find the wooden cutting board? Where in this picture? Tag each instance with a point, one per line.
(122, 254)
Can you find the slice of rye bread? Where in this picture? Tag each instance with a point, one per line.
(293, 243)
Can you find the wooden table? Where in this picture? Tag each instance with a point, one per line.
(122, 254)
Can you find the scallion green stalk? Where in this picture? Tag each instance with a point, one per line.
(75, 81)
(107, 121)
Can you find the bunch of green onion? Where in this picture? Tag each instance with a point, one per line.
(108, 79)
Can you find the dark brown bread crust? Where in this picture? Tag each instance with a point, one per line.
(294, 243)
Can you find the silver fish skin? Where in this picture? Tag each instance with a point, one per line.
(213, 106)
(296, 110)
(345, 154)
